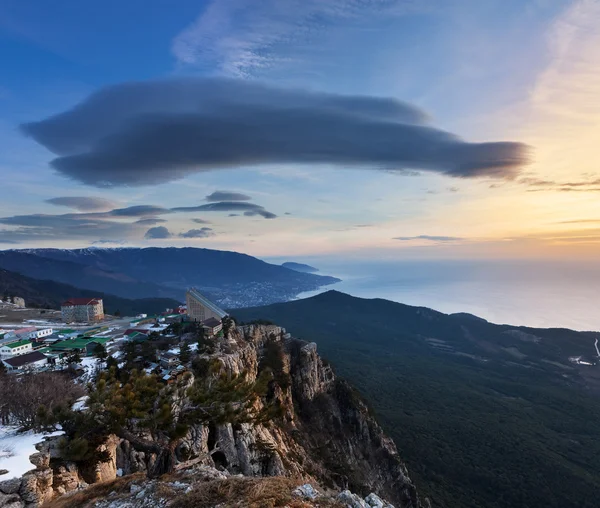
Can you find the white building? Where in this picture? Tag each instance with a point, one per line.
(16, 348)
(39, 334)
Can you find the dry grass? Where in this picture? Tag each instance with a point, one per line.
(270, 492)
(94, 493)
(242, 492)
(248, 492)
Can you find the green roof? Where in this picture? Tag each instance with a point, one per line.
(66, 330)
(100, 340)
(78, 343)
(17, 344)
(137, 336)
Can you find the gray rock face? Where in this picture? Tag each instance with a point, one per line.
(324, 431)
(351, 500)
(10, 486)
(306, 491)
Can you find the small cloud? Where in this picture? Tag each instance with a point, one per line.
(159, 232)
(233, 215)
(150, 221)
(139, 211)
(200, 221)
(82, 203)
(579, 221)
(249, 209)
(287, 213)
(592, 184)
(431, 238)
(227, 196)
(198, 233)
(452, 189)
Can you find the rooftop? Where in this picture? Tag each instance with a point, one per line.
(81, 301)
(19, 361)
(19, 343)
(212, 322)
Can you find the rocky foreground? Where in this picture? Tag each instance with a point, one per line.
(324, 450)
(204, 486)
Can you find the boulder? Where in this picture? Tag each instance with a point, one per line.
(306, 491)
(375, 501)
(36, 486)
(11, 501)
(351, 500)
(40, 460)
(10, 486)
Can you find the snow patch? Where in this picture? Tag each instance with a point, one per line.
(15, 449)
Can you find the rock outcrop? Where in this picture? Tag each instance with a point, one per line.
(324, 434)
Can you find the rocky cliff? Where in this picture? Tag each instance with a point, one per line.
(323, 433)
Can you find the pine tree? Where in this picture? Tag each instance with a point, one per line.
(185, 353)
(74, 358)
(100, 352)
(154, 417)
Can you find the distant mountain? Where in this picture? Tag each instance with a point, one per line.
(49, 294)
(230, 278)
(299, 267)
(34, 264)
(483, 414)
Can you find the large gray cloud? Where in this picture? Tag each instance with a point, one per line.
(150, 132)
(83, 203)
(249, 209)
(227, 196)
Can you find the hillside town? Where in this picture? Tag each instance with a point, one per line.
(84, 335)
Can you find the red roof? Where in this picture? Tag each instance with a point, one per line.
(25, 330)
(81, 301)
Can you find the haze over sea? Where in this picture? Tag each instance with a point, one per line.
(539, 294)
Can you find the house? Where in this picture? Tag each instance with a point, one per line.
(200, 308)
(39, 335)
(212, 326)
(15, 348)
(82, 310)
(28, 361)
(90, 347)
(137, 336)
(169, 360)
(21, 333)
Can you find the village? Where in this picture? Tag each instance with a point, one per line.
(84, 338)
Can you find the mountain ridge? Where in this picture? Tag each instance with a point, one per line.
(230, 278)
(49, 294)
(475, 408)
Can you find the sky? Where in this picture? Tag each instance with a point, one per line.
(398, 129)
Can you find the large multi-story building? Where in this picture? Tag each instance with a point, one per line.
(82, 310)
(200, 308)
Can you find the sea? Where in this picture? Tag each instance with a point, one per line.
(529, 293)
